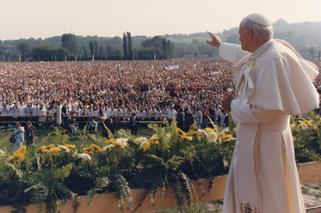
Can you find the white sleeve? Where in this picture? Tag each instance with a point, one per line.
(231, 52)
(242, 112)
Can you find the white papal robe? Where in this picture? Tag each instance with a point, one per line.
(272, 83)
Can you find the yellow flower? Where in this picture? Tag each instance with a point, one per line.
(45, 149)
(209, 130)
(92, 148)
(180, 132)
(95, 148)
(70, 146)
(41, 149)
(154, 140)
(226, 137)
(309, 123)
(66, 149)
(19, 155)
(110, 141)
(54, 150)
(120, 145)
(87, 150)
(193, 133)
(302, 124)
(186, 137)
(13, 158)
(145, 146)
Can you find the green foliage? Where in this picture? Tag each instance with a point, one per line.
(130, 46)
(125, 46)
(25, 50)
(63, 166)
(307, 137)
(46, 186)
(69, 42)
(93, 47)
(101, 184)
(49, 53)
(123, 192)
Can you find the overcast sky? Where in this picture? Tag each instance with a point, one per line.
(45, 18)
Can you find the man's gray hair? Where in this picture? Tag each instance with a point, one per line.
(264, 31)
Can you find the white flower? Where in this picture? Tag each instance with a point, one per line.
(2, 153)
(154, 137)
(202, 131)
(140, 140)
(64, 148)
(84, 156)
(122, 141)
(211, 137)
(108, 147)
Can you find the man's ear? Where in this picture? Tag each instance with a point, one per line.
(250, 34)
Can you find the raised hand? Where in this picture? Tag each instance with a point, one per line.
(215, 40)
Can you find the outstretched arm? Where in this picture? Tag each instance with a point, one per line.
(229, 52)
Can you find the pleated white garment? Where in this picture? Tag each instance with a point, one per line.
(263, 176)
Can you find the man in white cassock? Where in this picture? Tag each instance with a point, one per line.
(272, 82)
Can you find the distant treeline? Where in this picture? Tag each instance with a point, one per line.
(305, 37)
(70, 47)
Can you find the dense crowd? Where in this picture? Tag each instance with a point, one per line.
(153, 89)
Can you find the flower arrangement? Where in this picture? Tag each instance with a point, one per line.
(61, 168)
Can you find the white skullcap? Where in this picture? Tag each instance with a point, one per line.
(258, 19)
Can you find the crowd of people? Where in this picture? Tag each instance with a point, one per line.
(149, 89)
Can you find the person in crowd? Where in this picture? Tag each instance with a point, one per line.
(85, 88)
(29, 134)
(189, 119)
(199, 118)
(72, 125)
(18, 135)
(180, 118)
(133, 124)
(92, 126)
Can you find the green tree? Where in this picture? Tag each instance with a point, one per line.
(93, 46)
(170, 49)
(25, 50)
(148, 53)
(109, 51)
(164, 48)
(69, 42)
(154, 43)
(49, 53)
(125, 46)
(130, 46)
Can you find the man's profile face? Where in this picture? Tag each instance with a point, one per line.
(244, 37)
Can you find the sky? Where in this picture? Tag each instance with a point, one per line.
(46, 18)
